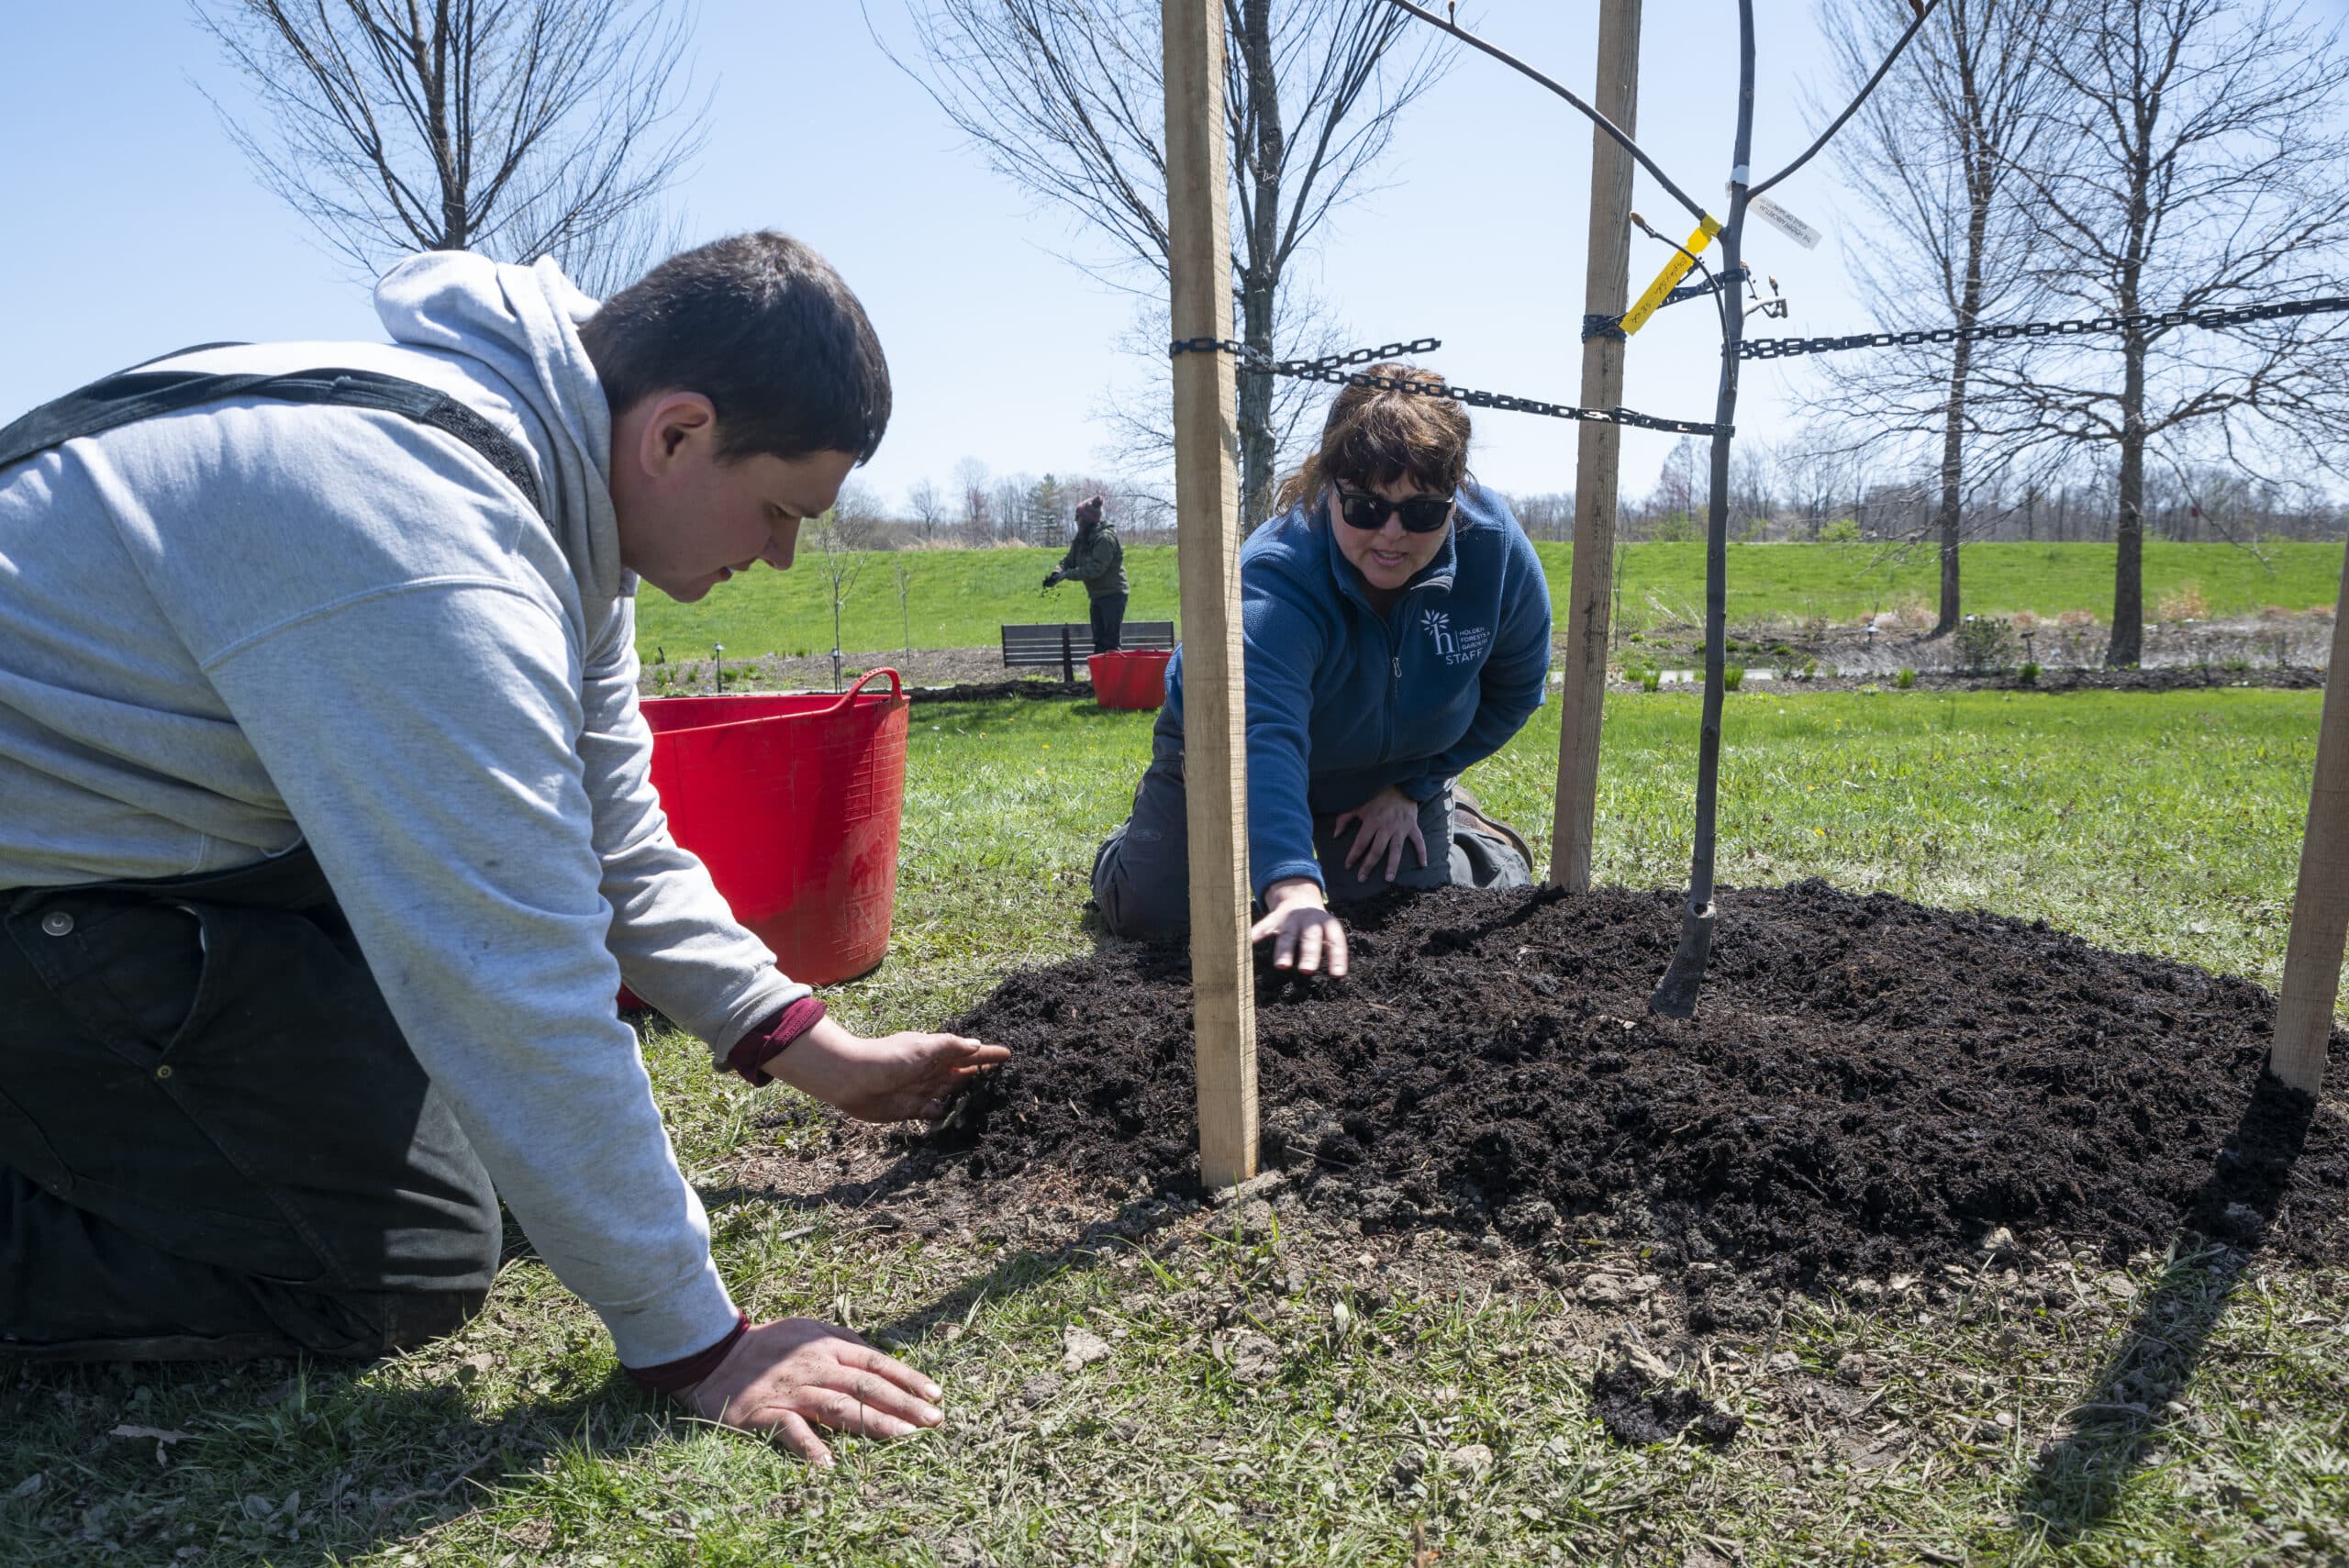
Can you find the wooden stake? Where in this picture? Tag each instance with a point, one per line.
(2320, 906)
(1207, 509)
(1598, 453)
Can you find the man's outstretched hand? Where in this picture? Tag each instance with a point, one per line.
(896, 1077)
(785, 1378)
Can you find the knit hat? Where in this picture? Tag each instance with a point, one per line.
(1089, 509)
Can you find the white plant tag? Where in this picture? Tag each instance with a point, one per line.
(1784, 222)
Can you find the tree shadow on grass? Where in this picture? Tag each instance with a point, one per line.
(2078, 1479)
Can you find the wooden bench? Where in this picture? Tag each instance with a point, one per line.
(1063, 643)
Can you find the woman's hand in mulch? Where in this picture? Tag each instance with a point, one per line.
(1306, 936)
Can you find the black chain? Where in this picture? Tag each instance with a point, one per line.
(1330, 368)
(1256, 358)
(1787, 348)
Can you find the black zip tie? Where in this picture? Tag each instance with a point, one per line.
(1330, 369)
(1603, 325)
(1788, 348)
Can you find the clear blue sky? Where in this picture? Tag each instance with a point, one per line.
(139, 227)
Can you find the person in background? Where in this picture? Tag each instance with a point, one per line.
(1394, 624)
(1096, 558)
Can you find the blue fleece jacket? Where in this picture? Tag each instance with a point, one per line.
(1344, 701)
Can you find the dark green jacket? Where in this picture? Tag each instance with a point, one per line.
(1097, 561)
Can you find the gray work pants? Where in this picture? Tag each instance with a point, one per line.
(214, 1141)
(1141, 874)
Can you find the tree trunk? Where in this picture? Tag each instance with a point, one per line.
(1675, 993)
(1255, 410)
(1953, 467)
(2129, 529)
(1980, 159)
(1259, 276)
(431, 59)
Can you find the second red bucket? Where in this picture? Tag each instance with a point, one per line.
(793, 802)
(1129, 680)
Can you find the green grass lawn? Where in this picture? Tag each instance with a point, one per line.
(2160, 823)
(958, 598)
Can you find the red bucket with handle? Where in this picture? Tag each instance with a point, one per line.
(793, 803)
(1129, 680)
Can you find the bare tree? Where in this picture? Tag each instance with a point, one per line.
(2197, 162)
(520, 129)
(1933, 162)
(1140, 426)
(1007, 502)
(1066, 98)
(971, 500)
(1682, 486)
(1820, 471)
(843, 539)
(901, 570)
(1752, 487)
(1548, 515)
(928, 506)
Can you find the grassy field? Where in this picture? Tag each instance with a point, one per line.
(1451, 1416)
(958, 598)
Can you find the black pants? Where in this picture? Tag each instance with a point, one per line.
(1108, 621)
(213, 1141)
(1141, 873)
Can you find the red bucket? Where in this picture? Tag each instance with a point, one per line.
(1129, 680)
(794, 804)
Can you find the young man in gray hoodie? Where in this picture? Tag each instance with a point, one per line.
(328, 836)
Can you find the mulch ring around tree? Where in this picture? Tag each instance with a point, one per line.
(1869, 1087)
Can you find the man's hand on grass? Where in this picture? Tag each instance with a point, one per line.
(898, 1077)
(785, 1378)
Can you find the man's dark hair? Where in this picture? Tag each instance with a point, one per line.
(761, 326)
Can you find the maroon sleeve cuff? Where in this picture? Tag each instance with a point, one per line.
(767, 1037)
(683, 1372)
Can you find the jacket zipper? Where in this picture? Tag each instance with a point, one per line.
(1394, 685)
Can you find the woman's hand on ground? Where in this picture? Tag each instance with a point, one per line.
(1307, 936)
(785, 1378)
(1384, 824)
(895, 1077)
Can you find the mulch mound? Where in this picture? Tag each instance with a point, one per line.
(1869, 1087)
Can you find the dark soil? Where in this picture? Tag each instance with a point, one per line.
(1868, 1087)
(1637, 1411)
(2165, 678)
(990, 690)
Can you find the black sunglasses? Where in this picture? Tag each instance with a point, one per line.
(1421, 514)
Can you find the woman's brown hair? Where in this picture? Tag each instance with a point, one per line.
(1376, 436)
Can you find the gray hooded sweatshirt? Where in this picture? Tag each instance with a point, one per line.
(228, 630)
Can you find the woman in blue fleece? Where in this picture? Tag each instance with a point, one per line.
(1396, 629)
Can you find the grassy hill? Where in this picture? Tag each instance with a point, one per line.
(958, 598)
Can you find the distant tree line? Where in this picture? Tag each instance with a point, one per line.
(1814, 488)
(2111, 159)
